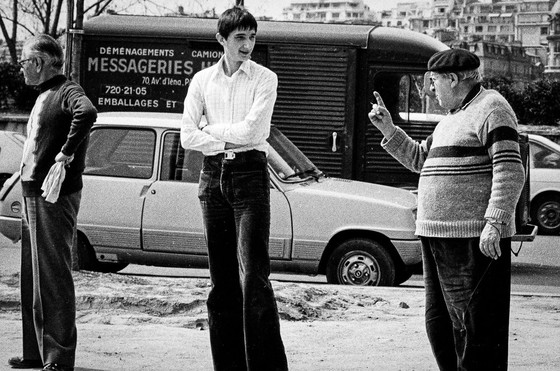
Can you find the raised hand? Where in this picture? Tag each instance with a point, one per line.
(381, 118)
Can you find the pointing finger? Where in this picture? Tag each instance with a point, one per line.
(379, 99)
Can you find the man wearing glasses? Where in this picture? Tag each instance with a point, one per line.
(471, 177)
(57, 132)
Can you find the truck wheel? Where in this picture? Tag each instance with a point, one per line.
(361, 262)
(88, 261)
(545, 213)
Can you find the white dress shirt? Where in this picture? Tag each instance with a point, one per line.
(238, 109)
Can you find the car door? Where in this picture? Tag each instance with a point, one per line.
(172, 218)
(119, 168)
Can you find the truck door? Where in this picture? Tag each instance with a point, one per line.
(404, 95)
(315, 104)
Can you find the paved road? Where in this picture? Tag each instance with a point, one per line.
(535, 270)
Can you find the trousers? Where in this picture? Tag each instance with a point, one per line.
(467, 303)
(242, 311)
(48, 301)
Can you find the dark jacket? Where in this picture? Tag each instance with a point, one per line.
(61, 120)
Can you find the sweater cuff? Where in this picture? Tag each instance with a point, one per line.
(499, 215)
(393, 143)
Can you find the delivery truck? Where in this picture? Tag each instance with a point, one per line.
(326, 77)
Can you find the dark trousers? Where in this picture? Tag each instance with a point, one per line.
(467, 304)
(242, 311)
(48, 302)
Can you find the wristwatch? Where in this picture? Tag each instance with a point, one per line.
(496, 224)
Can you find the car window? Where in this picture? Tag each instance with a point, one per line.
(543, 157)
(121, 152)
(407, 96)
(179, 164)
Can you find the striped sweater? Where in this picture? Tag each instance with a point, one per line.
(470, 168)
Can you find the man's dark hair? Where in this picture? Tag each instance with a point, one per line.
(236, 18)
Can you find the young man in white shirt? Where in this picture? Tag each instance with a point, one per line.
(237, 98)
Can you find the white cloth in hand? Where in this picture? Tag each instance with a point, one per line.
(53, 182)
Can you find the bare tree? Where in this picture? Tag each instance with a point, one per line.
(10, 39)
(43, 16)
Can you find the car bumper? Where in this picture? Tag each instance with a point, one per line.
(409, 250)
(11, 228)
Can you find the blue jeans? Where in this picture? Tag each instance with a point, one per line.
(242, 312)
(48, 303)
(467, 303)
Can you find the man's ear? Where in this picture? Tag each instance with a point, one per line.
(220, 39)
(454, 79)
(39, 65)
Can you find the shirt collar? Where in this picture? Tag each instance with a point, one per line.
(52, 82)
(245, 66)
(469, 98)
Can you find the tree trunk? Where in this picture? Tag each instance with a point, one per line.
(11, 41)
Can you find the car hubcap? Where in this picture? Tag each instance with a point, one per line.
(549, 215)
(360, 270)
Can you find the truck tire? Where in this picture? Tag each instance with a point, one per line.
(88, 261)
(361, 262)
(545, 213)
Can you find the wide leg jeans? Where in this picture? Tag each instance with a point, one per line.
(242, 310)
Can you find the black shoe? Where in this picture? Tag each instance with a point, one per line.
(56, 367)
(19, 362)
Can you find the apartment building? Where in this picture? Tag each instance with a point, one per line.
(552, 69)
(331, 11)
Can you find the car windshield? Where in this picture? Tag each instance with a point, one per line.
(287, 161)
(543, 157)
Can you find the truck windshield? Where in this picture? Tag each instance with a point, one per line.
(287, 161)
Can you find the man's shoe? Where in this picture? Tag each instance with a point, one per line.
(56, 367)
(19, 362)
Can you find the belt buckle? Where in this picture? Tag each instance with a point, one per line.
(229, 155)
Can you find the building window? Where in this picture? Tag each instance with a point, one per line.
(478, 29)
(491, 28)
(466, 29)
(544, 30)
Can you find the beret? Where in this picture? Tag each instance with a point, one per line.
(453, 60)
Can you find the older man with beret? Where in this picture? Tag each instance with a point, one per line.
(471, 177)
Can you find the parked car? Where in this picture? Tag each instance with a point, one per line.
(140, 205)
(545, 184)
(11, 146)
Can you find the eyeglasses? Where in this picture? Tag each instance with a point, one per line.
(22, 62)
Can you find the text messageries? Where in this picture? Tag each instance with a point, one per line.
(142, 75)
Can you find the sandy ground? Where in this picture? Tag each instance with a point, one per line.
(158, 323)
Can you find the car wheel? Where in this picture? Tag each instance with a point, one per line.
(361, 262)
(546, 214)
(88, 261)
